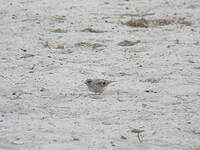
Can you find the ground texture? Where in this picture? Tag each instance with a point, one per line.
(48, 49)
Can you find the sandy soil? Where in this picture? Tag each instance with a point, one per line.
(46, 53)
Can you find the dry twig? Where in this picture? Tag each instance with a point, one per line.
(156, 22)
(128, 43)
(137, 131)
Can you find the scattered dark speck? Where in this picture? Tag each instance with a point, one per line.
(150, 91)
(42, 89)
(191, 61)
(31, 71)
(112, 143)
(76, 139)
(54, 140)
(24, 50)
(123, 137)
(196, 67)
(140, 66)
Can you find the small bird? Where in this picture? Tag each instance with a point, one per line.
(97, 85)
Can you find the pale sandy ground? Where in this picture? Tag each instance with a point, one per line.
(44, 103)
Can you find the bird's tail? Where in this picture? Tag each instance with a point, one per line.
(111, 82)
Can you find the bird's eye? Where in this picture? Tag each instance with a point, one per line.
(104, 83)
